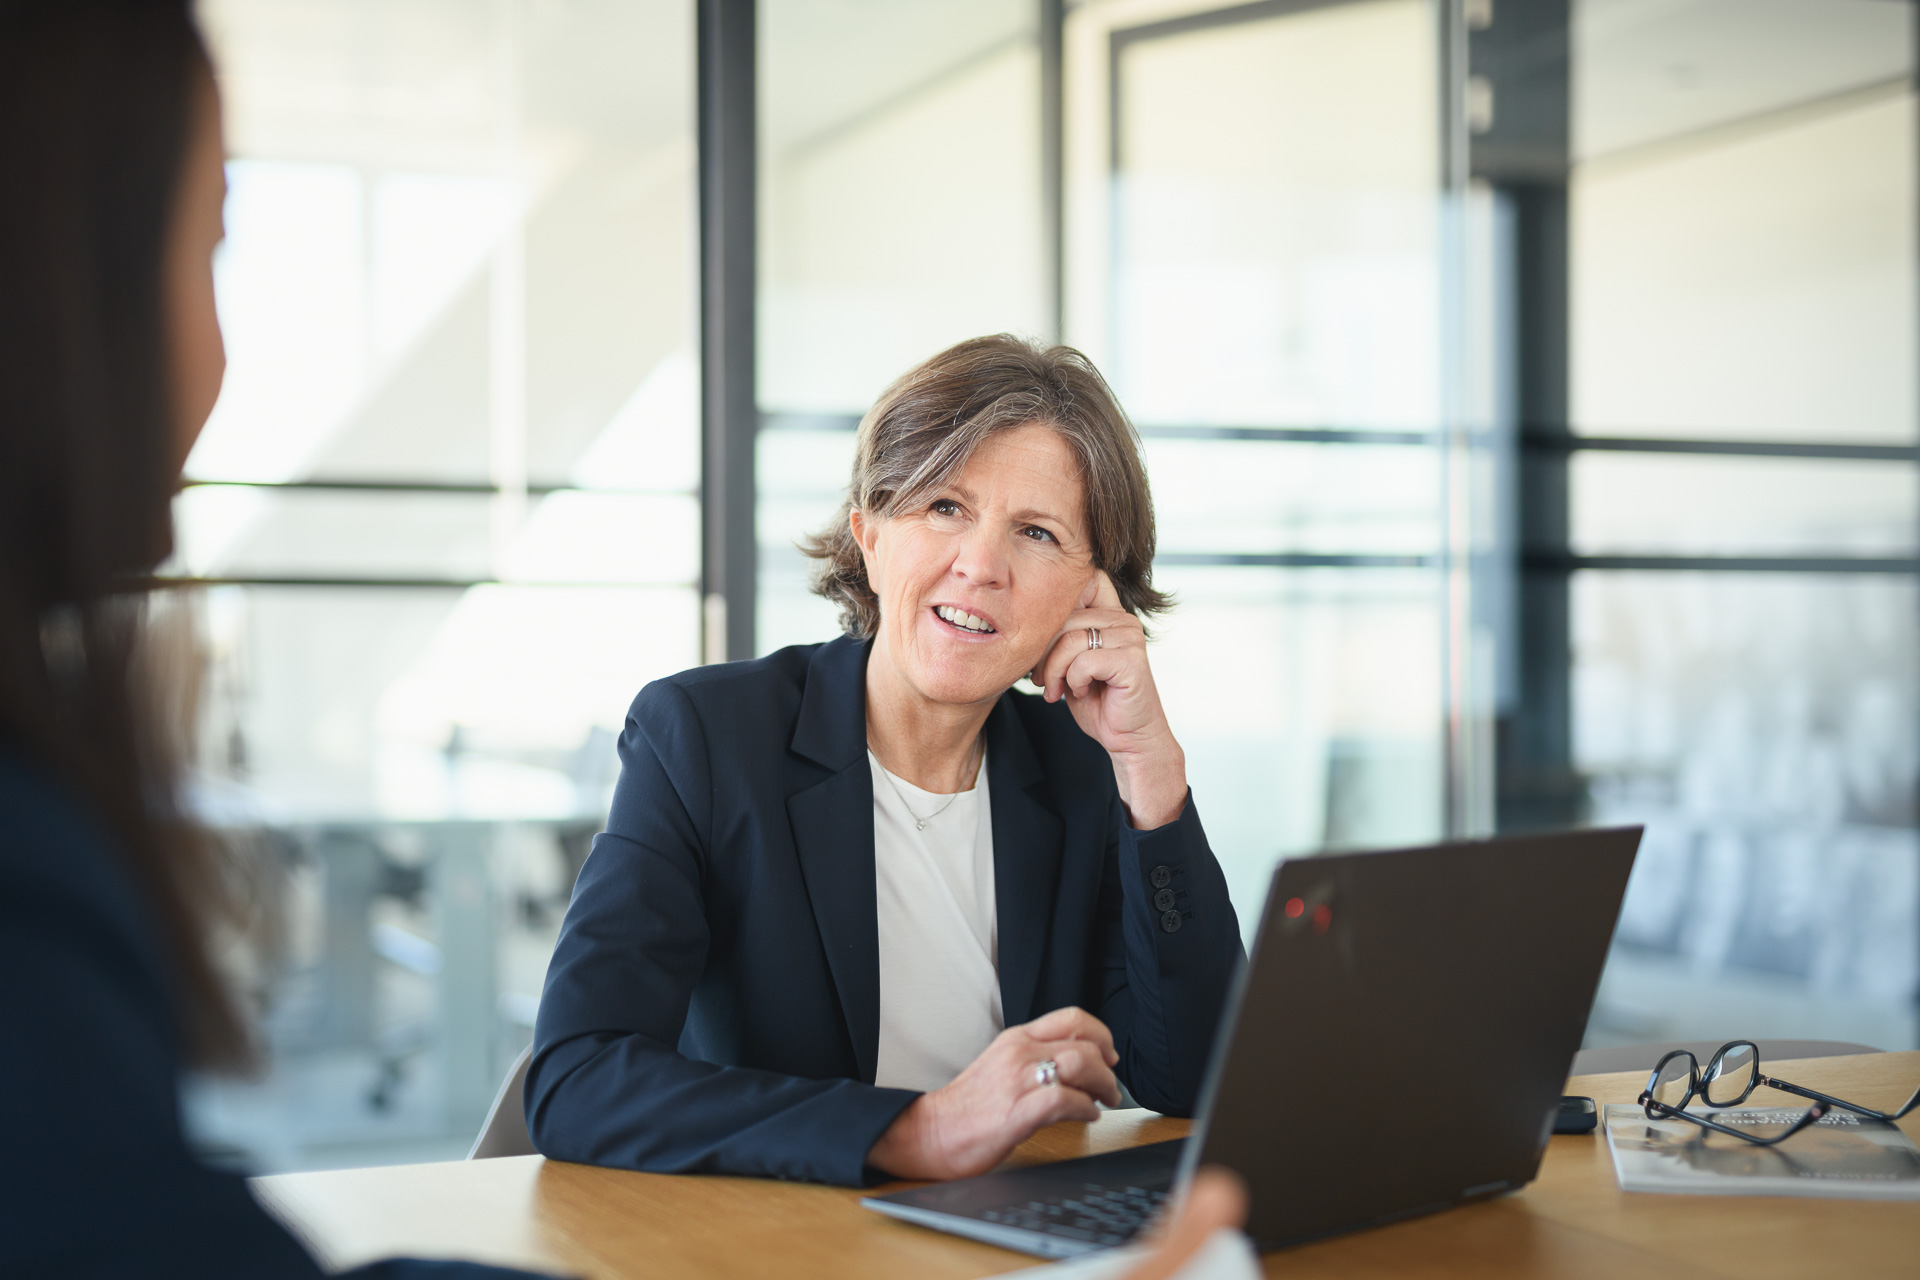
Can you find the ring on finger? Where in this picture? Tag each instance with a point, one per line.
(1046, 1073)
(1093, 637)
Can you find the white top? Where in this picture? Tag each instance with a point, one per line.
(939, 938)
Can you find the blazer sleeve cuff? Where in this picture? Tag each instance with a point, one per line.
(1172, 871)
(880, 1108)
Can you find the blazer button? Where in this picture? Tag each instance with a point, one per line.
(1170, 921)
(1161, 877)
(1164, 900)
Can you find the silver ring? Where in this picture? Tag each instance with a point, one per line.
(1046, 1074)
(1093, 637)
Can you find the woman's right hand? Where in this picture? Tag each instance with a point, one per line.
(972, 1124)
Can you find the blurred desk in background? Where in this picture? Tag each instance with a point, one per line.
(1572, 1221)
(403, 958)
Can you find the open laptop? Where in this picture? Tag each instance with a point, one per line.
(1396, 1044)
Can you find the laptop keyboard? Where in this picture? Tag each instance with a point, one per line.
(1099, 1215)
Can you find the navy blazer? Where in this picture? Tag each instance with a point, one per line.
(713, 1003)
(98, 1180)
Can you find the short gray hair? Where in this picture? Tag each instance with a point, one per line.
(920, 433)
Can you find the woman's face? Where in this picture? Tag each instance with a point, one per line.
(197, 353)
(976, 581)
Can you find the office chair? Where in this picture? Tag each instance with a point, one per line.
(504, 1132)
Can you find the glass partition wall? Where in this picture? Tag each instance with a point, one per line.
(1528, 392)
(1545, 368)
(444, 522)
(1265, 292)
(1743, 509)
(900, 211)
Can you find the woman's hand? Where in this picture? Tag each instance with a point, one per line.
(998, 1102)
(1216, 1199)
(1112, 695)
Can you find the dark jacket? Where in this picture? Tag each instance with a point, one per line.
(713, 1004)
(96, 1179)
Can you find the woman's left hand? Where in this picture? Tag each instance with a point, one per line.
(1111, 693)
(1216, 1201)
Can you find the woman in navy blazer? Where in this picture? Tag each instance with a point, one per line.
(715, 1003)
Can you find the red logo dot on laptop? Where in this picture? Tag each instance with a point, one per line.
(1294, 908)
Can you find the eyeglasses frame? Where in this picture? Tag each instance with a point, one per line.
(1656, 1110)
(1757, 1078)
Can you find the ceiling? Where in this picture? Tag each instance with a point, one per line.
(1647, 72)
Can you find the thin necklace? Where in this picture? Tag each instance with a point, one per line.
(920, 823)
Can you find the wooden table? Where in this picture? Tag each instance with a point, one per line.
(1572, 1221)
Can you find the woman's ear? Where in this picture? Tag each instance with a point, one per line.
(865, 534)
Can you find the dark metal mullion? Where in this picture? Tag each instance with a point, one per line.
(480, 488)
(422, 487)
(1463, 581)
(848, 422)
(1913, 69)
(1295, 435)
(165, 582)
(726, 35)
(1053, 161)
(1537, 562)
(1539, 787)
(1292, 560)
(1523, 55)
(1569, 563)
(1543, 441)
(1534, 440)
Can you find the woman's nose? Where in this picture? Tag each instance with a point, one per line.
(982, 558)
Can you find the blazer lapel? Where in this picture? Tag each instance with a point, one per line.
(1026, 859)
(833, 834)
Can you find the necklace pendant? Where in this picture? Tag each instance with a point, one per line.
(919, 825)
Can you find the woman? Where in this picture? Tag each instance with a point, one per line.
(110, 360)
(861, 910)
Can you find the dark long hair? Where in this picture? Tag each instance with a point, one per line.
(98, 105)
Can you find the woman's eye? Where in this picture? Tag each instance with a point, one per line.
(1038, 534)
(945, 507)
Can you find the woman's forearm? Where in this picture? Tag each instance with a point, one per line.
(1153, 783)
(631, 1103)
(1176, 940)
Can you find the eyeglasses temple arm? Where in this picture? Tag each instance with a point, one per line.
(1817, 1096)
(1811, 1117)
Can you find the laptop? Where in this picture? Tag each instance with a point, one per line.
(1396, 1044)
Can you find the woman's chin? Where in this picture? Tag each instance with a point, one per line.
(959, 681)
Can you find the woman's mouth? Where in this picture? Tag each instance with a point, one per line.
(962, 621)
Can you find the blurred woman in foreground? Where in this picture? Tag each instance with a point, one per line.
(110, 361)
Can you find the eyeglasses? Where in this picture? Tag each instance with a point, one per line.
(1677, 1080)
(1731, 1076)
(1734, 1073)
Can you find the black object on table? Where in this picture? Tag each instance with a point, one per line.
(1577, 1115)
